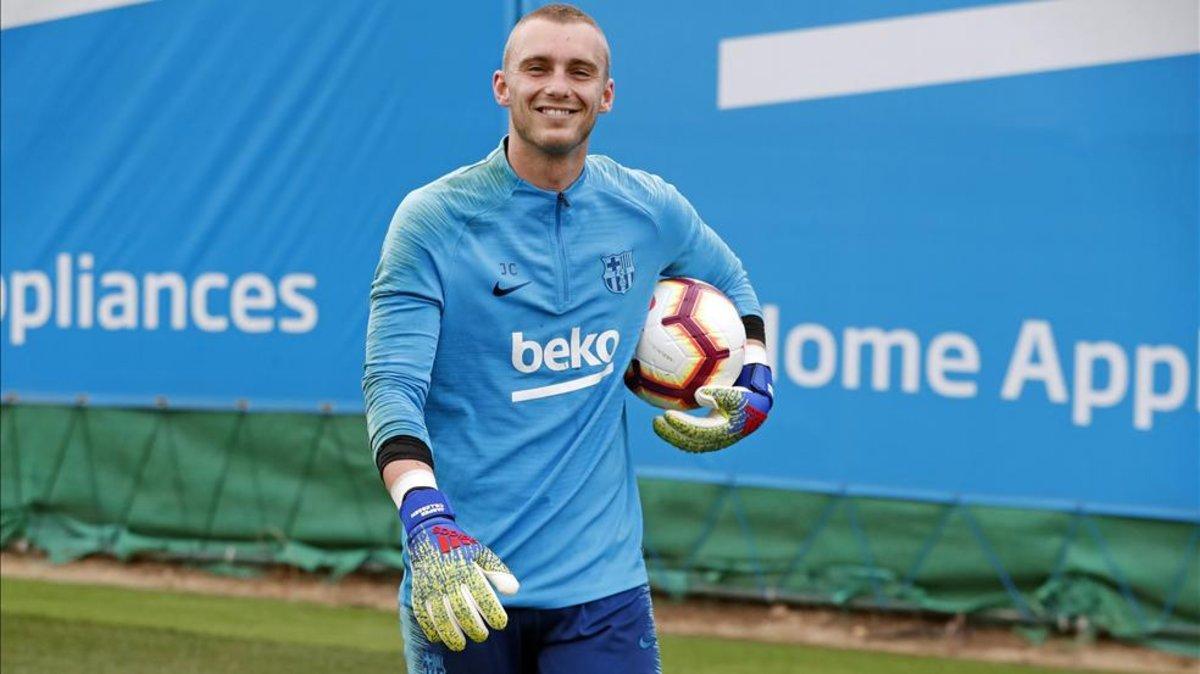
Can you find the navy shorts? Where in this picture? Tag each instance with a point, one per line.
(611, 635)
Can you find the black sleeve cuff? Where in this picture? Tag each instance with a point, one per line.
(403, 447)
(755, 329)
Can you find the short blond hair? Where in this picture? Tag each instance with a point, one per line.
(559, 12)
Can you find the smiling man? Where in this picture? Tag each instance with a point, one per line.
(508, 299)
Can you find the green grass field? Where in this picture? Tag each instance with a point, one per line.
(50, 628)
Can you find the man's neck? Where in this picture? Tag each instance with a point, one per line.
(548, 172)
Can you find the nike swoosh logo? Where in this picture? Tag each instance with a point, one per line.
(501, 292)
(646, 643)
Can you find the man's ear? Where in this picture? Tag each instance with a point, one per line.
(500, 88)
(610, 93)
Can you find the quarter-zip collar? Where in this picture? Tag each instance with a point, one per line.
(499, 157)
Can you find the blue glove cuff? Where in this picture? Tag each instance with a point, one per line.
(423, 504)
(756, 377)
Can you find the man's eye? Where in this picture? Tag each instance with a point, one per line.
(583, 73)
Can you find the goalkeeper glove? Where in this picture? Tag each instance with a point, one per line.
(452, 573)
(736, 411)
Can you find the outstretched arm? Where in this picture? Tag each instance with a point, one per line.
(452, 574)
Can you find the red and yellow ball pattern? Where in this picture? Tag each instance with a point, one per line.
(693, 337)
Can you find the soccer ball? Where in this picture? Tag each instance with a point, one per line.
(693, 337)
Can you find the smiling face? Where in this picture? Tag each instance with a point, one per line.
(554, 84)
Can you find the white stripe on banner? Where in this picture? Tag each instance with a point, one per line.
(561, 388)
(15, 13)
(954, 46)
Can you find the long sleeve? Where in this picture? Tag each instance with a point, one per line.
(407, 298)
(700, 253)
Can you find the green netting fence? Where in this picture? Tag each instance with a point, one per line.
(241, 488)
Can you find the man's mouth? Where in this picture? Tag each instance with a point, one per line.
(552, 111)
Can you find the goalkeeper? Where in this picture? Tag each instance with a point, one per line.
(508, 299)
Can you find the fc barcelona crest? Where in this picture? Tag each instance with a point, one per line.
(618, 272)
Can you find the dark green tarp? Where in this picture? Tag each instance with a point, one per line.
(239, 487)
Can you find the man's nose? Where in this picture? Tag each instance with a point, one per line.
(558, 85)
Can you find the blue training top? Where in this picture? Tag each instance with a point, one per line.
(502, 318)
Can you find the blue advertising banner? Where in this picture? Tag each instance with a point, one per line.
(195, 193)
(976, 284)
(977, 246)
